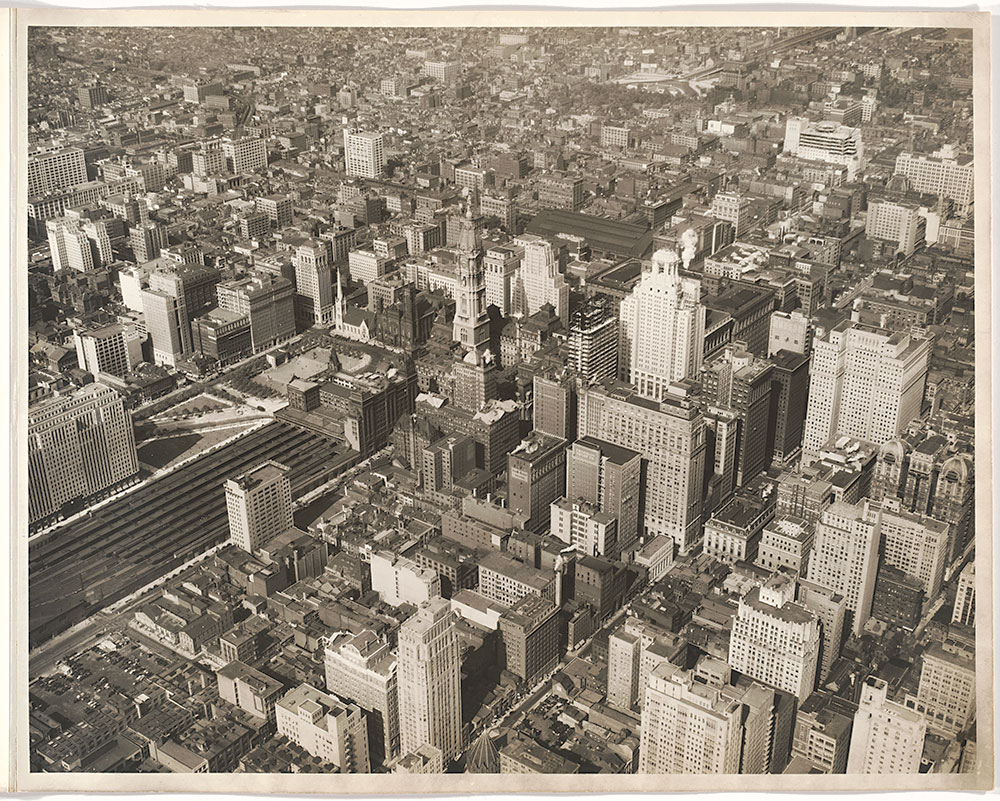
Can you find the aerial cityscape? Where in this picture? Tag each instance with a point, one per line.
(501, 400)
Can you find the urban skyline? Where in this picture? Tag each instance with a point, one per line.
(502, 401)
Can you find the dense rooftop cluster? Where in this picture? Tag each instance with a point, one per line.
(501, 401)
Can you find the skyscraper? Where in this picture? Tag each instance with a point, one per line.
(501, 263)
(845, 557)
(865, 382)
(269, 302)
(670, 435)
(662, 328)
(916, 544)
(78, 445)
(944, 173)
(896, 221)
(70, 246)
(740, 382)
(362, 668)
(887, 738)
(429, 671)
(965, 597)
(166, 319)
(363, 153)
(103, 350)
(326, 727)
(175, 297)
(471, 326)
(592, 341)
(831, 609)
(700, 721)
(259, 502)
(55, 170)
(538, 280)
(245, 155)
(775, 639)
(946, 694)
(314, 294)
(610, 476)
(553, 409)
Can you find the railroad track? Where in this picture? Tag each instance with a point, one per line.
(78, 569)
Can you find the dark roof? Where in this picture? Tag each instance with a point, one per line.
(609, 236)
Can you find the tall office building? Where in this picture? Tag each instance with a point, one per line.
(325, 727)
(363, 153)
(268, 301)
(500, 266)
(78, 445)
(831, 609)
(610, 476)
(825, 141)
(740, 382)
(845, 558)
(55, 170)
(965, 597)
(887, 738)
(429, 673)
(592, 340)
(775, 639)
(538, 280)
(701, 721)
(946, 694)
(92, 96)
(103, 350)
(624, 648)
(789, 397)
(529, 638)
(943, 173)
(536, 476)
(553, 408)
(69, 246)
(245, 156)
(147, 240)
(277, 208)
(897, 221)
(167, 322)
(662, 328)
(471, 325)
(671, 437)
(313, 284)
(865, 382)
(362, 668)
(259, 503)
(175, 297)
(916, 544)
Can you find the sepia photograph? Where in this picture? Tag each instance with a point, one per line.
(586, 399)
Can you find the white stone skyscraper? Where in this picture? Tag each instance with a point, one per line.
(538, 280)
(429, 676)
(775, 639)
(887, 738)
(364, 153)
(259, 503)
(845, 557)
(688, 726)
(662, 328)
(865, 382)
